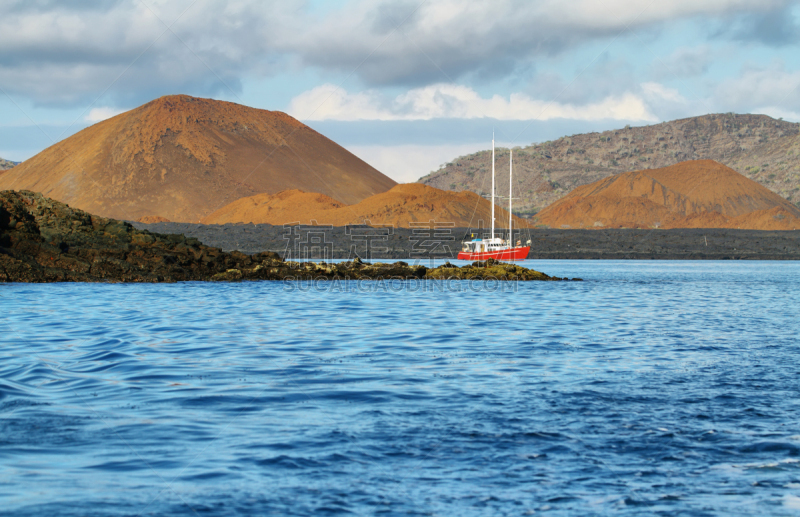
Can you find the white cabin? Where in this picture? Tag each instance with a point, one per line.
(484, 245)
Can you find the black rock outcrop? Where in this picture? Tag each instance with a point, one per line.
(42, 240)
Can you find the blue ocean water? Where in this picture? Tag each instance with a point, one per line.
(652, 387)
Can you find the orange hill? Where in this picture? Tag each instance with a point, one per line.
(693, 194)
(402, 205)
(151, 219)
(182, 158)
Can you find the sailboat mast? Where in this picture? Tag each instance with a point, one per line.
(492, 184)
(510, 233)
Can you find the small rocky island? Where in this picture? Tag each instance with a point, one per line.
(42, 240)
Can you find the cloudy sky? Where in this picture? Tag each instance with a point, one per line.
(406, 85)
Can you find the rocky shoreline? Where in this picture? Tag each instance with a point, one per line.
(42, 240)
(443, 243)
(356, 269)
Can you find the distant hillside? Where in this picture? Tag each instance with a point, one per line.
(399, 207)
(692, 194)
(759, 147)
(6, 164)
(180, 158)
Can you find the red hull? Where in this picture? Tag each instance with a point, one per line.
(508, 254)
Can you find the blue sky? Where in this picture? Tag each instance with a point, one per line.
(406, 85)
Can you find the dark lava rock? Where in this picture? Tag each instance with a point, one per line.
(489, 269)
(277, 269)
(42, 240)
(408, 244)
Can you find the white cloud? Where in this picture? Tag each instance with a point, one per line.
(659, 92)
(771, 88)
(669, 104)
(412, 43)
(779, 113)
(684, 62)
(618, 14)
(408, 163)
(328, 102)
(67, 52)
(99, 114)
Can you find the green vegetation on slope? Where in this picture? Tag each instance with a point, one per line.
(762, 148)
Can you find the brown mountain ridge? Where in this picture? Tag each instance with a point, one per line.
(692, 194)
(181, 158)
(399, 207)
(761, 148)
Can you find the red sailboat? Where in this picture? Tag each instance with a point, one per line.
(496, 247)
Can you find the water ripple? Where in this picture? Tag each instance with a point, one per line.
(652, 387)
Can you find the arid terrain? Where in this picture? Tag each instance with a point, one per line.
(399, 207)
(181, 158)
(186, 159)
(693, 194)
(761, 148)
(6, 164)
